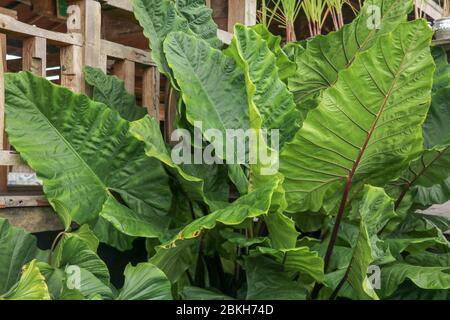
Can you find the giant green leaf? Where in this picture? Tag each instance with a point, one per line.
(213, 90)
(368, 124)
(286, 67)
(267, 280)
(31, 285)
(17, 248)
(158, 18)
(261, 102)
(107, 233)
(428, 176)
(86, 286)
(424, 277)
(272, 98)
(251, 205)
(145, 282)
(375, 209)
(300, 259)
(175, 261)
(212, 189)
(429, 173)
(325, 56)
(85, 156)
(442, 73)
(415, 234)
(111, 91)
(76, 252)
(436, 194)
(200, 20)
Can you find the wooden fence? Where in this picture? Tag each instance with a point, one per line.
(92, 32)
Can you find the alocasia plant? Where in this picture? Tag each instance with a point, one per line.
(361, 151)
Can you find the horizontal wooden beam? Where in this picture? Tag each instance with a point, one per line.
(8, 12)
(18, 201)
(119, 51)
(9, 25)
(121, 4)
(33, 220)
(10, 158)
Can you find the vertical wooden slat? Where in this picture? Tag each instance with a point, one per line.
(85, 17)
(72, 68)
(92, 33)
(3, 142)
(34, 55)
(72, 57)
(241, 11)
(126, 71)
(150, 94)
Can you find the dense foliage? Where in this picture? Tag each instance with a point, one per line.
(364, 149)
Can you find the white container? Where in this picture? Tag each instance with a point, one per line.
(441, 28)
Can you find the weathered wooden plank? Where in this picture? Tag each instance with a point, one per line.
(126, 71)
(119, 51)
(3, 142)
(33, 219)
(241, 11)
(8, 12)
(121, 4)
(9, 25)
(431, 8)
(13, 201)
(72, 68)
(92, 22)
(44, 7)
(34, 55)
(150, 91)
(10, 158)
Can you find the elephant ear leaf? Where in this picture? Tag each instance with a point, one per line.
(375, 209)
(429, 278)
(200, 20)
(325, 56)
(96, 167)
(368, 125)
(268, 280)
(110, 90)
(31, 285)
(286, 67)
(17, 248)
(252, 205)
(428, 176)
(442, 73)
(158, 18)
(145, 282)
(211, 189)
(270, 95)
(213, 89)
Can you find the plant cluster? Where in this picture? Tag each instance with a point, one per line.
(364, 148)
